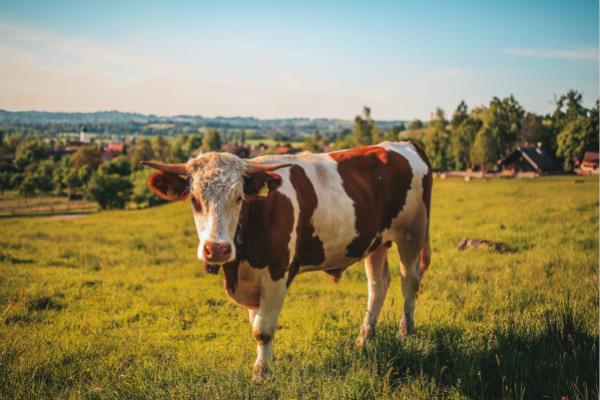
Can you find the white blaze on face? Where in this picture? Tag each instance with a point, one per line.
(217, 185)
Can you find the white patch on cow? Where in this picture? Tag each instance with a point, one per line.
(264, 320)
(414, 198)
(288, 191)
(334, 218)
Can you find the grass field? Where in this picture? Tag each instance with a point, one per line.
(12, 205)
(114, 305)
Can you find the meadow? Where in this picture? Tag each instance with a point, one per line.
(115, 305)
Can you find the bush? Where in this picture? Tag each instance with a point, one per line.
(142, 195)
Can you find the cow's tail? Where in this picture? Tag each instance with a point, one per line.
(425, 253)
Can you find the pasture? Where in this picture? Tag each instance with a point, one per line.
(115, 305)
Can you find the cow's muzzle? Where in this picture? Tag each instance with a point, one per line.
(217, 252)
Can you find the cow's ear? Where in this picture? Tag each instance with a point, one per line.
(261, 184)
(169, 186)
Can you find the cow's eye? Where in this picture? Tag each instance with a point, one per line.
(196, 204)
(239, 199)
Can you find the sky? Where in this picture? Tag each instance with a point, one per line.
(294, 59)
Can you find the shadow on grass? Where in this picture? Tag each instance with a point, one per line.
(559, 358)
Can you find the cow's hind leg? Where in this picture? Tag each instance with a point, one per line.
(411, 276)
(378, 274)
(264, 323)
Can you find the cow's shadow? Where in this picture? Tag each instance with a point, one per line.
(559, 357)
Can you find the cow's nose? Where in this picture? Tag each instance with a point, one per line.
(217, 251)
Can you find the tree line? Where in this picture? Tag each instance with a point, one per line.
(476, 138)
(479, 137)
(40, 167)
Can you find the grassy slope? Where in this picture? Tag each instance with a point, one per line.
(114, 305)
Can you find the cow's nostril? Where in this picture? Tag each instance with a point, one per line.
(207, 251)
(226, 250)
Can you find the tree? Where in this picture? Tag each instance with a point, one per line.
(109, 190)
(142, 195)
(193, 144)
(577, 136)
(460, 114)
(533, 130)
(142, 152)
(11, 142)
(415, 124)
(568, 107)
(87, 155)
(365, 130)
(27, 186)
(118, 165)
(4, 181)
(484, 151)
(38, 178)
(110, 186)
(71, 181)
(461, 141)
(160, 147)
(84, 174)
(436, 141)
(211, 140)
(178, 153)
(313, 142)
(504, 119)
(30, 151)
(393, 133)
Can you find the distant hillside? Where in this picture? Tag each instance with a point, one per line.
(299, 125)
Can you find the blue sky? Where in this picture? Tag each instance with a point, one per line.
(286, 59)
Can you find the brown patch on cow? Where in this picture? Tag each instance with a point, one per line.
(265, 232)
(261, 338)
(377, 181)
(309, 248)
(230, 271)
(168, 186)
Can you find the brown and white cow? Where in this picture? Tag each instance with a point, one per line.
(267, 219)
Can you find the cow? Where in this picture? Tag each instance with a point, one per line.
(265, 220)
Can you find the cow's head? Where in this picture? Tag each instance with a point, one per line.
(216, 184)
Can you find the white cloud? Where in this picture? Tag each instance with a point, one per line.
(582, 53)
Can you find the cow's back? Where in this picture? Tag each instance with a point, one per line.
(348, 202)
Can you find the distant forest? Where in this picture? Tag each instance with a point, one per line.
(116, 123)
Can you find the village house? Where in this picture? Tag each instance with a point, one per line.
(588, 164)
(533, 160)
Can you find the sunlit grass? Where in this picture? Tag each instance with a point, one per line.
(114, 305)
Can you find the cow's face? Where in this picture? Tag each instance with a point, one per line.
(216, 194)
(216, 185)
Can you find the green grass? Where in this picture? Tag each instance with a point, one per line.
(12, 205)
(114, 305)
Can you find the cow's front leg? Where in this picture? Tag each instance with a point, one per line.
(264, 323)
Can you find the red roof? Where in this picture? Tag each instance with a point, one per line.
(590, 159)
(115, 147)
(285, 150)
